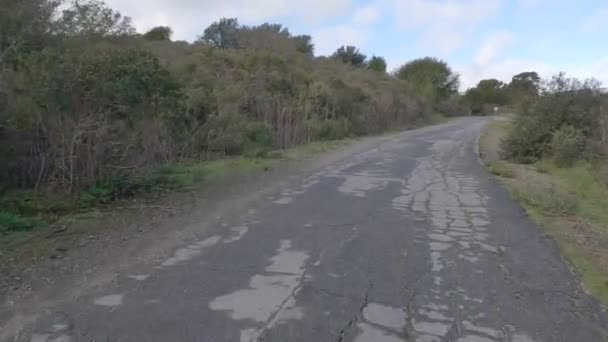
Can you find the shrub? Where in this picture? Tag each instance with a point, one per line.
(259, 140)
(525, 141)
(567, 144)
(567, 106)
(330, 129)
(11, 222)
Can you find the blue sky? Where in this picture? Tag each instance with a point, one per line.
(478, 38)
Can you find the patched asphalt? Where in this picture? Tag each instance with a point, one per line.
(409, 240)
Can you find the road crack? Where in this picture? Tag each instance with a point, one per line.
(355, 318)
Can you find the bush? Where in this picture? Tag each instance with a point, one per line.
(259, 140)
(11, 222)
(107, 190)
(567, 144)
(525, 141)
(330, 129)
(560, 122)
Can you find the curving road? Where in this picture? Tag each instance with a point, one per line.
(407, 240)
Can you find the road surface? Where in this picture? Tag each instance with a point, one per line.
(408, 240)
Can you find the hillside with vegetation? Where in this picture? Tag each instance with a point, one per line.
(92, 111)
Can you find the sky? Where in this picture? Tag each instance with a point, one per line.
(479, 39)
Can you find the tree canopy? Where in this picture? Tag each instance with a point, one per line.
(430, 77)
(350, 55)
(377, 64)
(93, 17)
(159, 33)
(221, 34)
(525, 84)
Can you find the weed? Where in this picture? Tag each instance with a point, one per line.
(11, 222)
(500, 169)
(547, 197)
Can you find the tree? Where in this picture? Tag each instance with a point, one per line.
(222, 33)
(377, 64)
(305, 44)
(350, 55)
(93, 18)
(487, 93)
(159, 33)
(273, 37)
(525, 84)
(432, 78)
(493, 91)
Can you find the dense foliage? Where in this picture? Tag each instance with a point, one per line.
(432, 78)
(84, 99)
(490, 93)
(565, 121)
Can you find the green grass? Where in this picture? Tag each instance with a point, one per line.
(592, 195)
(500, 169)
(13, 222)
(550, 198)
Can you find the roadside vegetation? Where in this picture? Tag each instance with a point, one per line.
(552, 156)
(92, 111)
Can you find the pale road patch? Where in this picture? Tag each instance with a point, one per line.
(268, 295)
(190, 251)
(109, 300)
(237, 234)
(138, 277)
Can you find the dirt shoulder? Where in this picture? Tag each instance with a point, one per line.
(570, 204)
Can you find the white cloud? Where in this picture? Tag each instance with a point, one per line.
(189, 18)
(596, 22)
(328, 39)
(367, 15)
(445, 24)
(493, 46)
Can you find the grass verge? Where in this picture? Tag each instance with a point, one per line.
(570, 204)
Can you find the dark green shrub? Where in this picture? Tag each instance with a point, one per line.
(259, 140)
(11, 222)
(566, 146)
(565, 102)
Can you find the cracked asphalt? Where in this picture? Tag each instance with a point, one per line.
(407, 240)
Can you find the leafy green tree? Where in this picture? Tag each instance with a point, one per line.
(222, 34)
(487, 93)
(525, 84)
(305, 45)
(350, 55)
(432, 78)
(159, 33)
(377, 64)
(93, 18)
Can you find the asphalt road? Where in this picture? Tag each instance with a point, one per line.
(409, 240)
